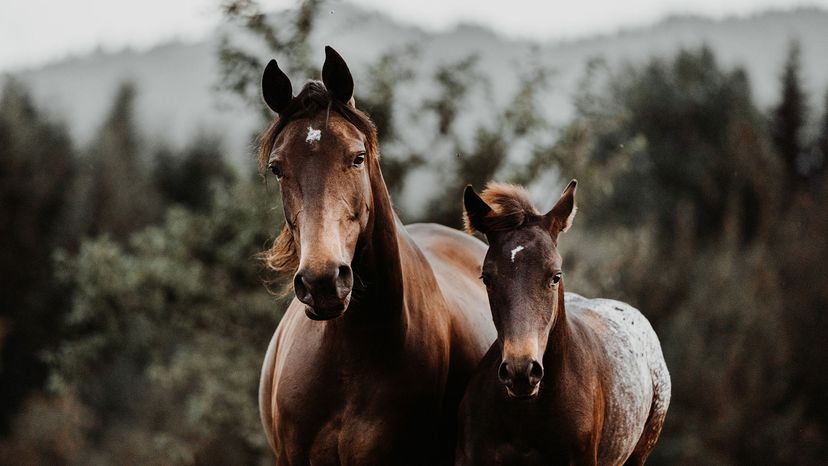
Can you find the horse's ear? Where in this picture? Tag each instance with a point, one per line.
(559, 219)
(475, 210)
(337, 77)
(276, 88)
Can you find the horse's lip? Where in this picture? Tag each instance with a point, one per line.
(332, 312)
(530, 396)
(313, 314)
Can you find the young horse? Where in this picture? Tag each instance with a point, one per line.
(371, 359)
(570, 380)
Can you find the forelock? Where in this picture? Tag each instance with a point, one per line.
(511, 207)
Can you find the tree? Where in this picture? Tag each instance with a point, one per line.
(115, 196)
(790, 117)
(36, 165)
(187, 178)
(677, 142)
(241, 68)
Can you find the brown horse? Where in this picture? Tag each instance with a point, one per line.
(570, 380)
(370, 362)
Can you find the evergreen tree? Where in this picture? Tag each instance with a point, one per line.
(36, 166)
(789, 118)
(115, 193)
(187, 178)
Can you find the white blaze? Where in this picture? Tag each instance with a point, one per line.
(313, 135)
(515, 251)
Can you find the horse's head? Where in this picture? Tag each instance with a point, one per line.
(522, 273)
(322, 150)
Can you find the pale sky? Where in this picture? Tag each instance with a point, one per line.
(33, 32)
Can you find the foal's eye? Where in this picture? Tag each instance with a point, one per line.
(359, 159)
(556, 278)
(276, 168)
(486, 280)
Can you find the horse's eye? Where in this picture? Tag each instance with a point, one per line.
(359, 159)
(276, 168)
(486, 280)
(556, 278)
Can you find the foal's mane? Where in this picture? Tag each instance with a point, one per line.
(314, 98)
(511, 208)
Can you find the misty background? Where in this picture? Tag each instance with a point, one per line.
(134, 313)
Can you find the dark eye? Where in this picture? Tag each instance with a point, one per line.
(359, 159)
(486, 280)
(276, 168)
(556, 278)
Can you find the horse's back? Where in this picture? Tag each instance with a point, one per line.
(640, 381)
(456, 258)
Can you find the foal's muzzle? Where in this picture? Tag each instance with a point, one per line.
(521, 377)
(326, 291)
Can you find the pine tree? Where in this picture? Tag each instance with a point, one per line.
(789, 118)
(116, 196)
(36, 166)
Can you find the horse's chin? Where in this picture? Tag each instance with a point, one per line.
(523, 396)
(329, 312)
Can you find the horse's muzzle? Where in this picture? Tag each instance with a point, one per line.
(327, 292)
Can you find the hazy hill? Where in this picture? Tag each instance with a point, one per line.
(176, 81)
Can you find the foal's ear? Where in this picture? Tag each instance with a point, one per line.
(337, 77)
(276, 88)
(559, 219)
(475, 210)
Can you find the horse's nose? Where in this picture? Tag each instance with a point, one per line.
(522, 378)
(323, 287)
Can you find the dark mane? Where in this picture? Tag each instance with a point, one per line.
(511, 208)
(314, 98)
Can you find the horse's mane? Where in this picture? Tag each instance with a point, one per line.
(314, 98)
(511, 208)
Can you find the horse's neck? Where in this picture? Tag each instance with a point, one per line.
(390, 259)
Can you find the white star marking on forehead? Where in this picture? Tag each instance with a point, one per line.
(313, 135)
(515, 251)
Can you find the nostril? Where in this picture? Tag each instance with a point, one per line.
(503, 372)
(535, 372)
(345, 274)
(300, 287)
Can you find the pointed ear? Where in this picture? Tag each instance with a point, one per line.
(337, 77)
(276, 88)
(475, 210)
(559, 219)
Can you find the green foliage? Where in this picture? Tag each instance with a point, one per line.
(156, 328)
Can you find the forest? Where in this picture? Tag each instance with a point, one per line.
(135, 311)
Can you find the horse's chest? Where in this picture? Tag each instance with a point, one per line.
(527, 452)
(356, 418)
(345, 430)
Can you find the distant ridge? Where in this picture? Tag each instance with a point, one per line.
(176, 81)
